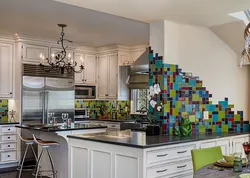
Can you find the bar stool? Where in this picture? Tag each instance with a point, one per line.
(29, 143)
(45, 146)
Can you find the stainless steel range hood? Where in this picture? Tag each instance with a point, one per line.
(138, 72)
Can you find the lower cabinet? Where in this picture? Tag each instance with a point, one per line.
(95, 159)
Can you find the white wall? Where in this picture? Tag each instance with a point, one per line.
(198, 50)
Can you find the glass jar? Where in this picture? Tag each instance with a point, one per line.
(237, 162)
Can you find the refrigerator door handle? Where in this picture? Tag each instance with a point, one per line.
(43, 107)
(46, 106)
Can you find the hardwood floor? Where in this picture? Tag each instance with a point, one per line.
(12, 173)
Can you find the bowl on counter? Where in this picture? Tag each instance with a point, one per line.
(228, 158)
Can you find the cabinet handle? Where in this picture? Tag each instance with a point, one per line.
(112, 125)
(8, 137)
(106, 95)
(162, 155)
(162, 171)
(232, 144)
(8, 129)
(10, 93)
(181, 166)
(8, 145)
(8, 156)
(179, 152)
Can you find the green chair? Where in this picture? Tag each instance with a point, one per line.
(205, 156)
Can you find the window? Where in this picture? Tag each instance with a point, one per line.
(139, 99)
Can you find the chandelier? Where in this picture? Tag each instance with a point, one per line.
(245, 55)
(60, 61)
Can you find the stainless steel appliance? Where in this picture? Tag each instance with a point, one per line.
(81, 114)
(44, 93)
(85, 92)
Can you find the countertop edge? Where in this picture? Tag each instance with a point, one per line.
(157, 144)
(55, 130)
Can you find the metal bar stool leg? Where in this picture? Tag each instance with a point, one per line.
(34, 152)
(52, 163)
(20, 167)
(38, 163)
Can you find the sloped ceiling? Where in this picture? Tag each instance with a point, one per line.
(232, 34)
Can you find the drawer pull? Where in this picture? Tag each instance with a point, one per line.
(8, 145)
(112, 125)
(181, 166)
(8, 156)
(8, 137)
(162, 171)
(162, 155)
(179, 152)
(8, 129)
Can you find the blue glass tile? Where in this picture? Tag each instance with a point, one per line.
(245, 127)
(229, 124)
(215, 118)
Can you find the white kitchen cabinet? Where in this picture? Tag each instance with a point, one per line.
(124, 58)
(225, 145)
(237, 144)
(103, 70)
(208, 144)
(88, 75)
(6, 70)
(107, 79)
(31, 53)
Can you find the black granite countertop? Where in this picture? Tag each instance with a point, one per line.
(105, 120)
(57, 129)
(140, 140)
(9, 123)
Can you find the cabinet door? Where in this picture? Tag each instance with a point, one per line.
(208, 144)
(103, 76)
(90, 69)
(31, 53)
(237, 144)
(225, 146)
(112, 75)
(79, 59)
(6, 79)
(124, 59)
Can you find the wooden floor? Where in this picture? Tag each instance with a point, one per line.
(12, 173)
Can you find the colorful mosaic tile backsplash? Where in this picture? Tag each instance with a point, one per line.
(103, 109)
(184, 95)
(3, 110)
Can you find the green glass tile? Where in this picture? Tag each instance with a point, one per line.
(230, 106)
(165, 87)
(199, 85)
(237, 117)
(167, 106)
(172, 93)
(221, 115)
(209, 120)
(187, 100)
(202, 129)
(171, 130)
(212, 127)
(178, 104)
(173, 68)
(210, 102)
(171, 79)
(195, 97)
(224, 128)
(194, 88)
(201, 106)
(175, 112)
(192, 118)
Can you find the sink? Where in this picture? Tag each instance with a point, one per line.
(110, 134)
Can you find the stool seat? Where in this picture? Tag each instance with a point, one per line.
(47, 142)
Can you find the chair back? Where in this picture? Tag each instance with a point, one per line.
(35, 139)
(21, 138)
(205, 156)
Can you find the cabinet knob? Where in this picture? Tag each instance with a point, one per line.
(106, 95)
(8, 129)
(8, 156)
(8, 145)
(10, 93)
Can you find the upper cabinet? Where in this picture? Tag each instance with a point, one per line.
(31, 53)
(88, 75)
(6, 69)
(135, 54)
(107, 76)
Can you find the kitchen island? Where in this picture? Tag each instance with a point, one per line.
(126, 154)
(59, 134)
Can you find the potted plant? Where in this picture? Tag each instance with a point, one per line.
(153, 128)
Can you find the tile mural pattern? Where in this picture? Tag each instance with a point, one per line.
(183, 95)
(3, 110)
(103, 109)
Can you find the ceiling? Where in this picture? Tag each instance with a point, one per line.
(197, 12)
(39, 18)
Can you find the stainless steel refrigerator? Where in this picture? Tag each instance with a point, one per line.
(44, 93)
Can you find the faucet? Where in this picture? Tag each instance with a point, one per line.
(144, 110)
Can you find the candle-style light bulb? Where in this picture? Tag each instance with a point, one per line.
(53, 55)
(69, 55)
(81, 59)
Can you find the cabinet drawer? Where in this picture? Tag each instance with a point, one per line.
(169, 153)
(8, 129)
(113, 126)
(7, 146)
(168, 169)
(8, 156)
(5, 138)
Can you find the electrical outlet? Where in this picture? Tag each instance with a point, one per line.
(205, 115)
